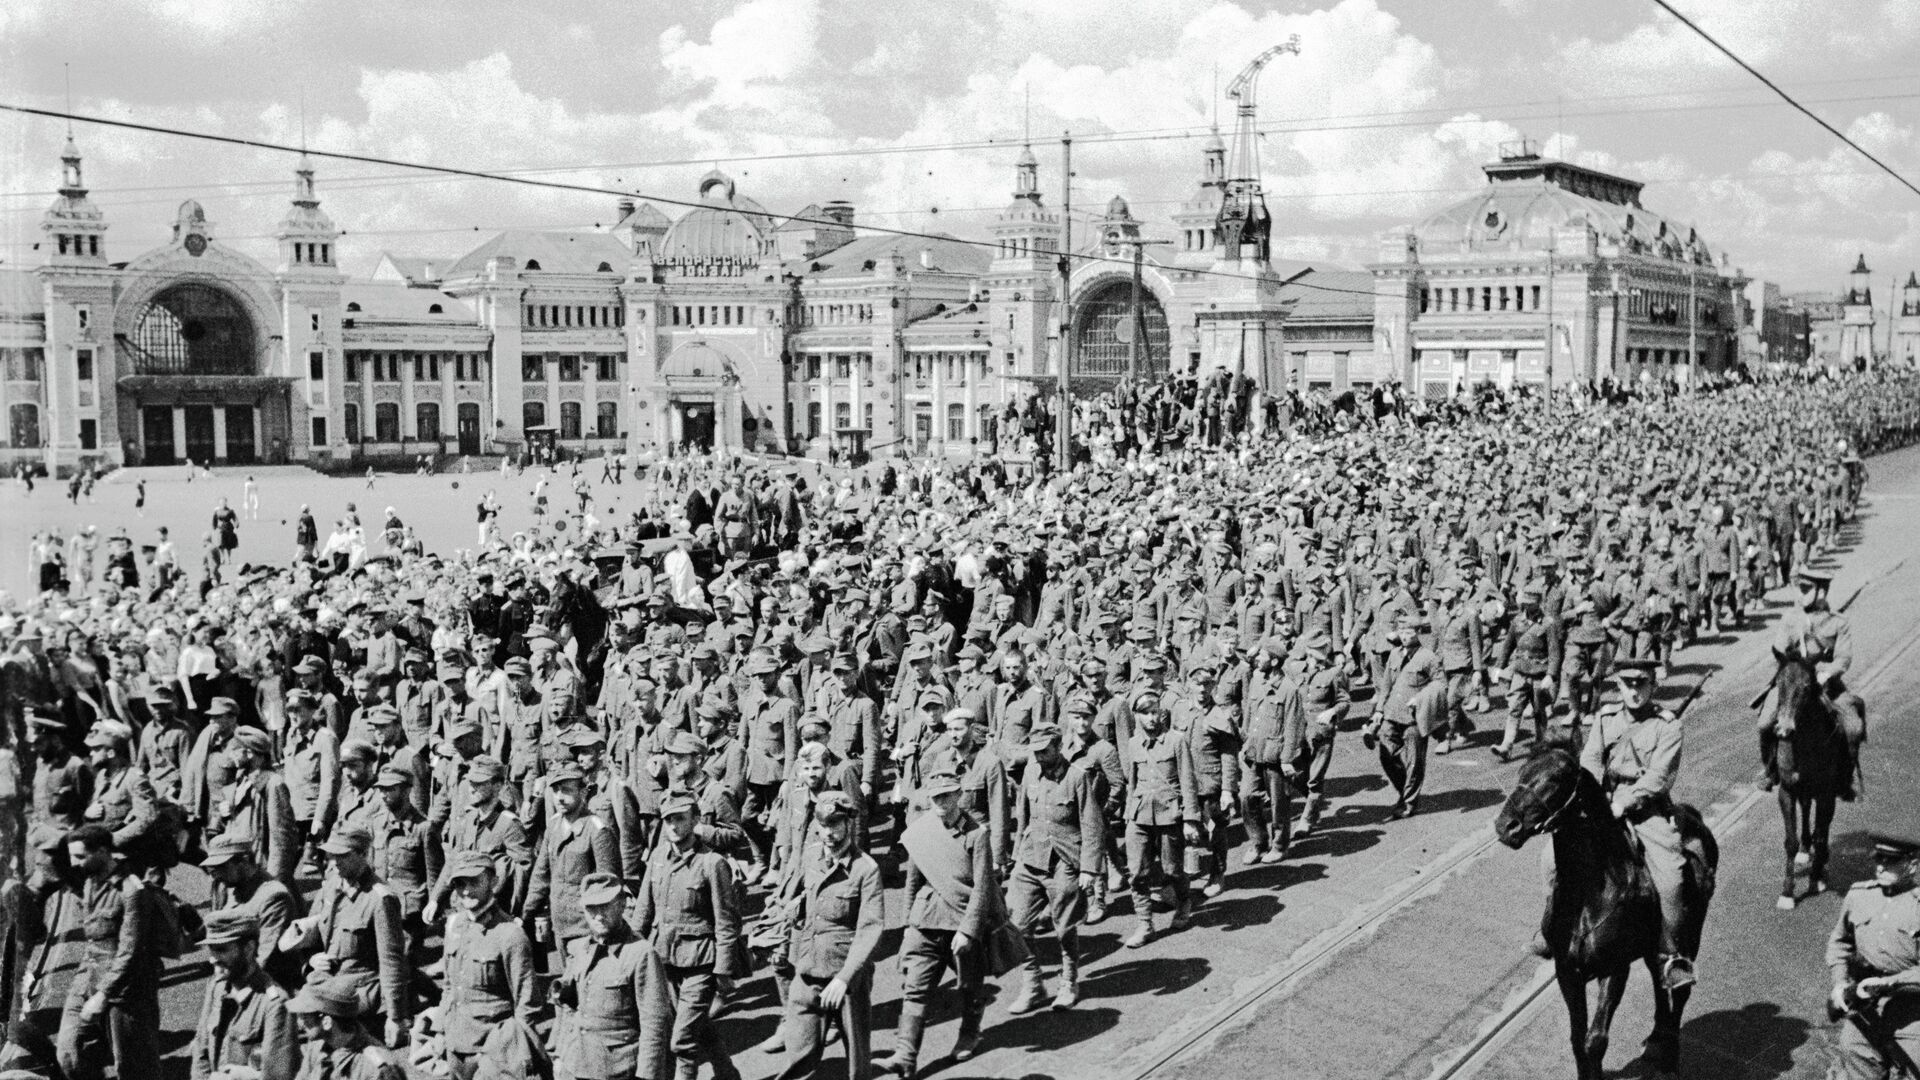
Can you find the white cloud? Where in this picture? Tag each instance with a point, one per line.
(760, 41)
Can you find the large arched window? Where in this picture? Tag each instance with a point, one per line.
(533, 414)
(569, 419)
(607, 420)
(386, 421)
(1104, 330)
(193, 329)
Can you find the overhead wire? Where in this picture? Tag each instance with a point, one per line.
(591, 189)
(1786, 97)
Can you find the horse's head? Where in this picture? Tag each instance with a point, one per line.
(1796, 683)
(1545, 793)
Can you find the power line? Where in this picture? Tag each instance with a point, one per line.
(1786, 97)
(590, 189)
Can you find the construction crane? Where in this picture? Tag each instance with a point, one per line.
(1243, 216)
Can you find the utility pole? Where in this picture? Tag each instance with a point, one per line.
(1550, 316)
(1137, 341)
(1064, 438)
(1693, 319)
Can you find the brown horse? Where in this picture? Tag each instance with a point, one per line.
(1813, 767)
(1602, 914)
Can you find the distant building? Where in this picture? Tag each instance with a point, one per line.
(1905, 344)
(1855, 347)
(1554, 274)
(1774, 330)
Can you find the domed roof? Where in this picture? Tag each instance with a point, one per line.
(696, 360)
(1521, 214)
(1117, 207)
(726, 225)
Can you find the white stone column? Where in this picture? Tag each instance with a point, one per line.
(826, 399)
(179, 431)
(972, 394)
(409, 424)
(219, 432)
(854, 396)
(937, 443)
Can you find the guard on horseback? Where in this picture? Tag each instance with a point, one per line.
(1817, 634)
(1634, 751)
(1874, 957)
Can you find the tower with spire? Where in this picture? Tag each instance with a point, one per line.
(1198, 217)
(1021, 280)
(310, 307)
(1904, 348)
(78, 293)
(1856, 319)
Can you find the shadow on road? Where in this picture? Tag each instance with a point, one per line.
(1754, 1042)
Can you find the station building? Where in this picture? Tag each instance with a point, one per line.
(734, 326)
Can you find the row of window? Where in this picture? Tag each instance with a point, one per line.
(606, 417)
(533, 366)
(1015, 247)
(835, 314)
(306, 252)
(841, 365)
(389, 367)
(426, 421)
(709, 315)
(569, 316)
(1200, 239)
(1669, 308)
(24, 364)
(1481, 298)
(922, 429)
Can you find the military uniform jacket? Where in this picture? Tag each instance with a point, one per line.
(164, 748)
(1459, 639)
(273, 905)
(356, 925)
(1877, 935)
(690, 909)
(1823, 637)
(837, 919)
(1532, 646)
(1060, 817)
(619, 1010)
(489, 977)
(1102, 764)
(1639, 753)
(1275, 725)
(571, 849)
(406, 854)
(1412, 667)
(260, 811)
(1161, 788)
(361, 1059)
(62, 792)
(719, 827)
(1215, 739)
(768, 726)
(123, 801)
(310, 760)
(616, 803)
(496, 832)
(121, 921)
(247, 1025)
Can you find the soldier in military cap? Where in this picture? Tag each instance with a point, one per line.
(310, 757)
(1812, 631)
(1413, 708)
(355, 931)
(576, 843)
(616, 1008)
(835, 918)
(247, 889)
(62, 780)
(405, 850)
(123, 799)
(617, 801)
(718, 823)
(1061, 837)
(489, 963)
(1530, 655)
(338, 1045)
(244, 1020)
(486, 826)
(690, 909)
(1634, 750)
(359, 767)
(1163, 813)
(165, 742)
(258, 808)
(112, 1008)
(953, 903)
(1873, 956)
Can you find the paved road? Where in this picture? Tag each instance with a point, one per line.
(1381, 949)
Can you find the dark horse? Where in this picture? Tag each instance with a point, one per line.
(1603, 914)
(1812, 765)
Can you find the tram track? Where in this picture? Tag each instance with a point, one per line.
(1316, 955)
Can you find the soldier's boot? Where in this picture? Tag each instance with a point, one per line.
(1182, 911)
(1097, 902)
(905, 1058)
(1069, 994)
(1142, 920)
(1310, 808)
(973, 1009)
(1033, 986)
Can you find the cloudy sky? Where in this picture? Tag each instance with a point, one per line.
(1384, 116)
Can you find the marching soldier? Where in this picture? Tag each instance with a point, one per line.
(262, 898)
(405, 851)
(1873, 955)
(835, 923)
(1061, 830)
(1531, 653)
(1324, 701)
(484, 825)
(1412, 709)
(577, 844)
(258, 808)
(690, 910)
(357, 933)
(1163, 814)
(310, 755)
(616, 1008)
(113, 1003)
(244, 1021)
(489, 964)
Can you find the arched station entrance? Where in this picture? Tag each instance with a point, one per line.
(192, 387)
